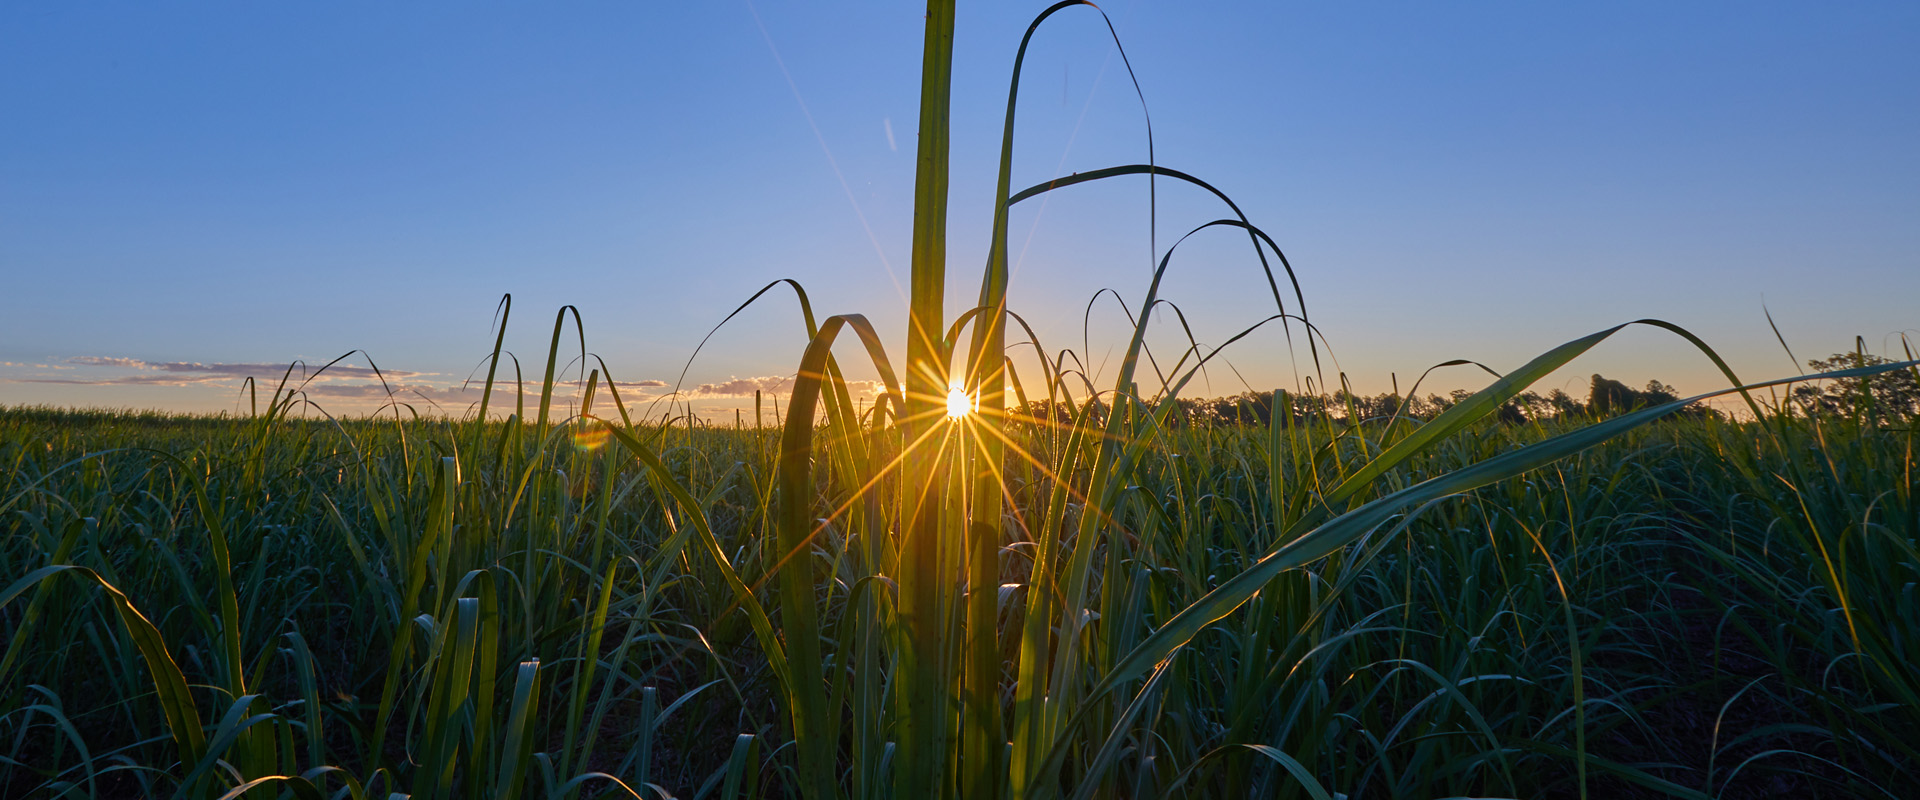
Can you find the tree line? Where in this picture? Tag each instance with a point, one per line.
(1891, 395)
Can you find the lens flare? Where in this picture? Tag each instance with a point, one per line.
(588, 435)
(959, 403)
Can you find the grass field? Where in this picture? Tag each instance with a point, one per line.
(1695, 608)
(940, 595)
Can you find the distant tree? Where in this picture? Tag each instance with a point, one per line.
(1536, 406)
(1511, 413)
(1448, 400)
(1364, 407)
(1607, 397)
(1564, 404)
(1888, 395)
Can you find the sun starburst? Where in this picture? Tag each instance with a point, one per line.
(959, 403)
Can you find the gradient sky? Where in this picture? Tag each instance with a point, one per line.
(192, 193)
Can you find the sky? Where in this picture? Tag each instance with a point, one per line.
(191, 194)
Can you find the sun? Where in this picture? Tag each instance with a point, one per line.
(959, 403)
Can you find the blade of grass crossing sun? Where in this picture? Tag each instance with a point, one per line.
(982, 741)
(921, 674)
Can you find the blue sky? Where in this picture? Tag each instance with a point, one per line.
(190, 194)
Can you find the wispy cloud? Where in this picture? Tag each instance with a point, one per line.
(374, 391)
(344, 383)
(770, 384)
(258, 371)
(634, 388)
(188, 373)
(743, 387)
(131, 380)
(109, 361)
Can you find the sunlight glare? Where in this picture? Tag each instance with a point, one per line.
(959, 403)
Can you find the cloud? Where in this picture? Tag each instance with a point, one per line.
(770, 384)
(626, 388)
(374, 391)
(258, 371)
(342, 383)
(131, 380)
(108, 361)
(189, 373)
(744, 387)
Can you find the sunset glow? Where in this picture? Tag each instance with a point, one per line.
(959, 403)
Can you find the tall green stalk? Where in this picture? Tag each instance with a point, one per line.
(921, 681)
